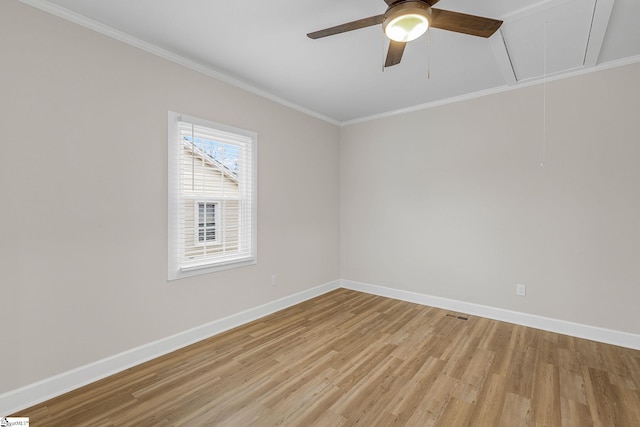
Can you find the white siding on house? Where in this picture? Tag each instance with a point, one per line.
(208, 179)
(211, 182)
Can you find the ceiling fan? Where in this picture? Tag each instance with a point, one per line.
(406, 20)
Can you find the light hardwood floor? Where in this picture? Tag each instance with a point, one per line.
(349, 358)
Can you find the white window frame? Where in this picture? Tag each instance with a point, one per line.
(176, 268)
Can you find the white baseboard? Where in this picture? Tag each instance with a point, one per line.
(24, 397)
(609, 336)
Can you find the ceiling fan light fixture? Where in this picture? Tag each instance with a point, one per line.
(406, 21)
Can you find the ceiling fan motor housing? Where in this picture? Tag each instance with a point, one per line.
(406, 16)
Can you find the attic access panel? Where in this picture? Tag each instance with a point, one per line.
(549, 38)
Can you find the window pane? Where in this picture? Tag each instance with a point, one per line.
(206, 222)
(211, 234)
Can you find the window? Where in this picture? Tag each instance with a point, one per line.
(206, 222)
(212, 196)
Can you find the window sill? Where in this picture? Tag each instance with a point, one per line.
(196, 270)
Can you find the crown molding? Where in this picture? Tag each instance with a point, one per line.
(218, 75)
(505, 88)
(98, 27)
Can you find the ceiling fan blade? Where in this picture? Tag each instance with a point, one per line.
(394, 54)
(349, 26)
(463, 23)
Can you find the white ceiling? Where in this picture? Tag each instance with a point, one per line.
(262, 45)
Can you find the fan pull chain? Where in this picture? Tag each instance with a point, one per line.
(543, 154)
(383, 48)
(428, 53)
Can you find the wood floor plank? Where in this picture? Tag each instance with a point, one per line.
(352, 359)
(516, 411)
(488, 407)
(572, 386)
(520, 373)
(601, 402)
(632, 361)
(546, 398)
(457, 413)
(575, 414)
(361, 403)
(406, 403)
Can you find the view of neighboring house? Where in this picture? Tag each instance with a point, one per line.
(210, 193)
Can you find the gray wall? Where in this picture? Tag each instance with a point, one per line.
(451, 201)
(83, 169)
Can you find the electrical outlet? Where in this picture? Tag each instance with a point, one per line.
(273, 280)
(521, 289)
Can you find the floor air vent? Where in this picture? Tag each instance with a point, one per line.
(457, 317)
